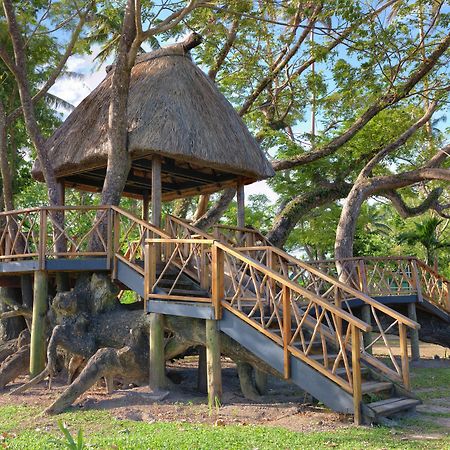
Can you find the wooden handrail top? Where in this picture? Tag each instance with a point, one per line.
(367, 258)
(354, 292)
(234, 228)
(180, 241)
(188, 226)
(141, 222)
(55, 208)
(303, 292)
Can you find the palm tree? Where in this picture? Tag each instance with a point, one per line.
(427, 234)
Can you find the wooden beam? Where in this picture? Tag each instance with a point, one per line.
(240, 206)
(37, 347)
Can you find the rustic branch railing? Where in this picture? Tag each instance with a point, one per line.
(239, 237)
(302, 309)
(252, 291)
(390, 276)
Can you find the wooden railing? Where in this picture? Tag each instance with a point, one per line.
(390, 276)
(239, 237)
(292, 303)
(382, 319)
(288, 300)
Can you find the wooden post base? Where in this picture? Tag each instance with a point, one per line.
(37, 345)
(157, 378)
(214, 370)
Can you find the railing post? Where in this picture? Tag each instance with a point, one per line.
(287, 325)
(404, 355)
(42, 238)
(356, 373)
(204, 268)
(362, 277)
(218, 289)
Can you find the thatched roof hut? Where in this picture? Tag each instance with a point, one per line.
(175, 111)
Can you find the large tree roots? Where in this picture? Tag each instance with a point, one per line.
(99, 338)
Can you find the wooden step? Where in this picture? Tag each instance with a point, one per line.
(341, 372)
(392, 405)
(320, 356)
(371, 387)
(188, 292)
(182, 284)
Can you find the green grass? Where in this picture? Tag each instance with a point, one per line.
(25, 428)
(434, 382)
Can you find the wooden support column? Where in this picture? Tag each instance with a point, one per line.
(156, 191)
(414, 334)
(145, 206)
(37, 347)
(214, 370)
(240, 197)
(157, 379)
(157, 360)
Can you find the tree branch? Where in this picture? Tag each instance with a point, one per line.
(386, 100)
(405, 211)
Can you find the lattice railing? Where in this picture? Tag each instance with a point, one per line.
(239, 237)
(390, 276)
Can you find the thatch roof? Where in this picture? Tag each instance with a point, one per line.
(174, 110)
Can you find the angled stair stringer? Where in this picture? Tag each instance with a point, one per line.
(304, 376)
(130, 278)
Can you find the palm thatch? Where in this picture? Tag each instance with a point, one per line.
(174, 110)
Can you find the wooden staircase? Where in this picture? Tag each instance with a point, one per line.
(289, 314)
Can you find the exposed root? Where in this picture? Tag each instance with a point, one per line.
(105, 363)
(245, 373)
(36, 380)
(15, 365)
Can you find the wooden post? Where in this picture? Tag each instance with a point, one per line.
(356, 375)
(202, 377)
(414, 334)
(157, 379)
(217, 275)
(37, 346)
(240, 197)
(404, 355)
(145, 206)
(416, 280)
(214, 369)
(156, 191)
(157, 360)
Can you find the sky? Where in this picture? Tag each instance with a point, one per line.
(74, 90)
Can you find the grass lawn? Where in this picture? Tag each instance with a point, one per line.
(24, 427)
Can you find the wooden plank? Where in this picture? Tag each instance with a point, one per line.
(356, 373)
(180, 298)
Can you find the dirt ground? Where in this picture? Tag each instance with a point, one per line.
(284, 405)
